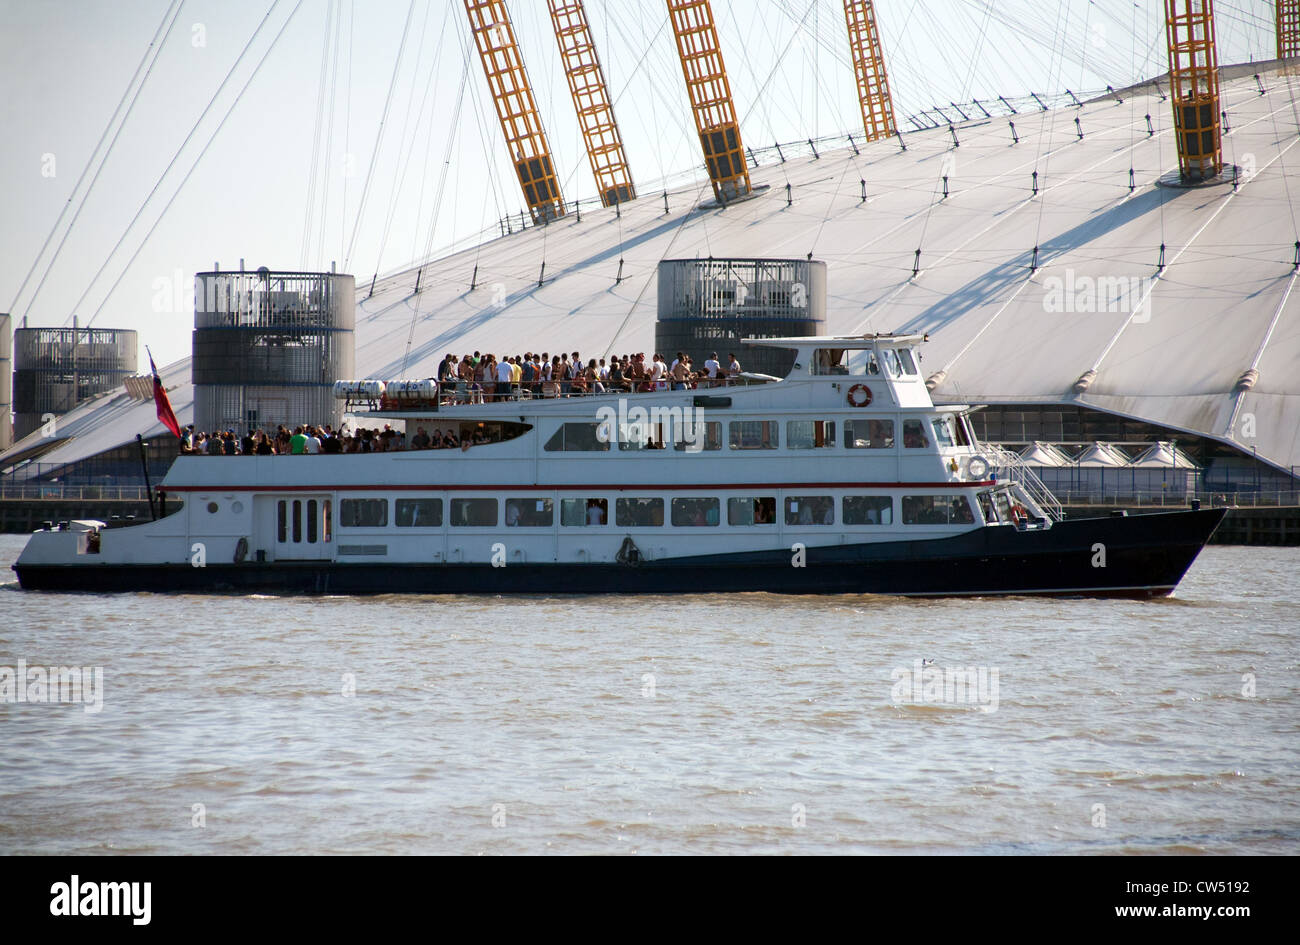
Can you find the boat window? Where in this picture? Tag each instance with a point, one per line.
(914, 435)
(329, 523)
(809, 434)
(809, 510)
(754, 435)
(297, 521)
(529, 513)
(943, 434)
(937, 510)
(311, 521)
(868, 510)
(579, 437)
(1003, 504)
(695, 511)
(641, 436)
(962, 431)
(363, 513)
(694, 437)
(755, 511)
(864, 362)
(636, 512)
(868, 434)
(907, 361)
(580, 512)
(829, 361)
(986, 507)
(282, 521)
(419, 513)
(474, 513)
(890, 359)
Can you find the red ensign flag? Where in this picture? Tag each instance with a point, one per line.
(165, 413)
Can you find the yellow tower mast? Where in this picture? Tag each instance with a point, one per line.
(1194, 80)
(869, 69)
(710, 94)
(591, 101)
(1288, 29)
(517, 110)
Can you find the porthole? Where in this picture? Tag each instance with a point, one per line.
(237, 507)
(212, 507)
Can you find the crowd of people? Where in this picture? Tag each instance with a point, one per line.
(309, 439)
(483, 378)
(477, 378)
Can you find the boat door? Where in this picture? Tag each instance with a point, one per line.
(296, 527)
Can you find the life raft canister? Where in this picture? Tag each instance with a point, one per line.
(859, 395)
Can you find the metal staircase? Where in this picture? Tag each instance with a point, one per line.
(1009, 465)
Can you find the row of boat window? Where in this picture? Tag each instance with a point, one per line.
(753, 435)
(637, 512)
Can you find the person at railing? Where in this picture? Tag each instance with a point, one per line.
(615, 377)
(680, 373)
(505, 371)
(553, 385)
(713, 369)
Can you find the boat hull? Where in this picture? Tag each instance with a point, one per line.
(1131, 556)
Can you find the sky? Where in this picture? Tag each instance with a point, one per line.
(298, 134)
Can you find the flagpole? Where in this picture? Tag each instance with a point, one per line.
(144, 463)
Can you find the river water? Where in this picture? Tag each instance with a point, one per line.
(700, 724)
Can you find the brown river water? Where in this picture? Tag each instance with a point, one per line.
(698, 724)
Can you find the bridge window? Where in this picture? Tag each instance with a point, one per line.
(809, 434)
(809, 510)
(581, 512)
(829, 361)
(629, 513)
(419, 513)
(868, 510)
(695, 512)
(754, 435)
(529, 513)
(864, 362)
(890, 359)
(914, 435)
(363, 513)
(943, 432)
(474, 513)
(937, 510)
(907, 361)
(868, 434)
(751, 511)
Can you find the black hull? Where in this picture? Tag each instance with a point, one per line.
(1145, 556)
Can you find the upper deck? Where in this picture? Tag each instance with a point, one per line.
(885, 369)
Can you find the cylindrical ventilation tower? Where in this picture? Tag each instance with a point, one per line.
(57, 368)
(6, 383)
(268, 347)
(708, 305)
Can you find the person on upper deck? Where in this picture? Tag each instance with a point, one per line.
(733, 369)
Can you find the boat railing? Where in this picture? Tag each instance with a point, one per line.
(1009, 465)
(464, 393)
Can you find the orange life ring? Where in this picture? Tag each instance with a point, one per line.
(1019, 514)
(859, 395)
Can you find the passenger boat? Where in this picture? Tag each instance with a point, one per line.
(841, 478)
